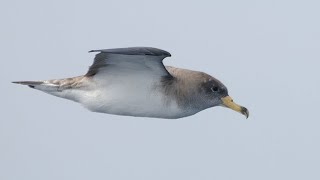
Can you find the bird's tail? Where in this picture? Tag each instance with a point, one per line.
(65, 88)
(40, 85)
(55, 85)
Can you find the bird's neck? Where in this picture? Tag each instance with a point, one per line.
(183, 88)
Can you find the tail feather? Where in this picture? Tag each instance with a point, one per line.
(64, 88)
(31, 84)
(40, 85)
(55, 84)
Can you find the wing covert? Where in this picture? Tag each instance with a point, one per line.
(130, 60)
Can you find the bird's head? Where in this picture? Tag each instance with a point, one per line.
(216, 94)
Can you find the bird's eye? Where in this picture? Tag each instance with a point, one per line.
(214, 88)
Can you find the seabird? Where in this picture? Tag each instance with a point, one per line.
(134, 82)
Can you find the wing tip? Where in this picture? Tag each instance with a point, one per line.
(148, 51)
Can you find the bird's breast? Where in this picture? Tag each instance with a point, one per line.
(133, 97)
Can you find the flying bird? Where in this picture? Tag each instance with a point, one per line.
(134, 82)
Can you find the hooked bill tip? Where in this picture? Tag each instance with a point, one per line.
(245, 112)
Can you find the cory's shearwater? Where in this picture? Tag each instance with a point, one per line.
(134, 82)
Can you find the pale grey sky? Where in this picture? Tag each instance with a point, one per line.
(265, 52)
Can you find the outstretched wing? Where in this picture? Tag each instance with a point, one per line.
(129, 61)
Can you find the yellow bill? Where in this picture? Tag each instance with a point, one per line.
(228, 102)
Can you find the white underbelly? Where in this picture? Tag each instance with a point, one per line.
(132, 98)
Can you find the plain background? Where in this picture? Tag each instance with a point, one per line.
(265, 52)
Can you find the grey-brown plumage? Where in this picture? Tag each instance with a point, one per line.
(187, 86)
(134, 82)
